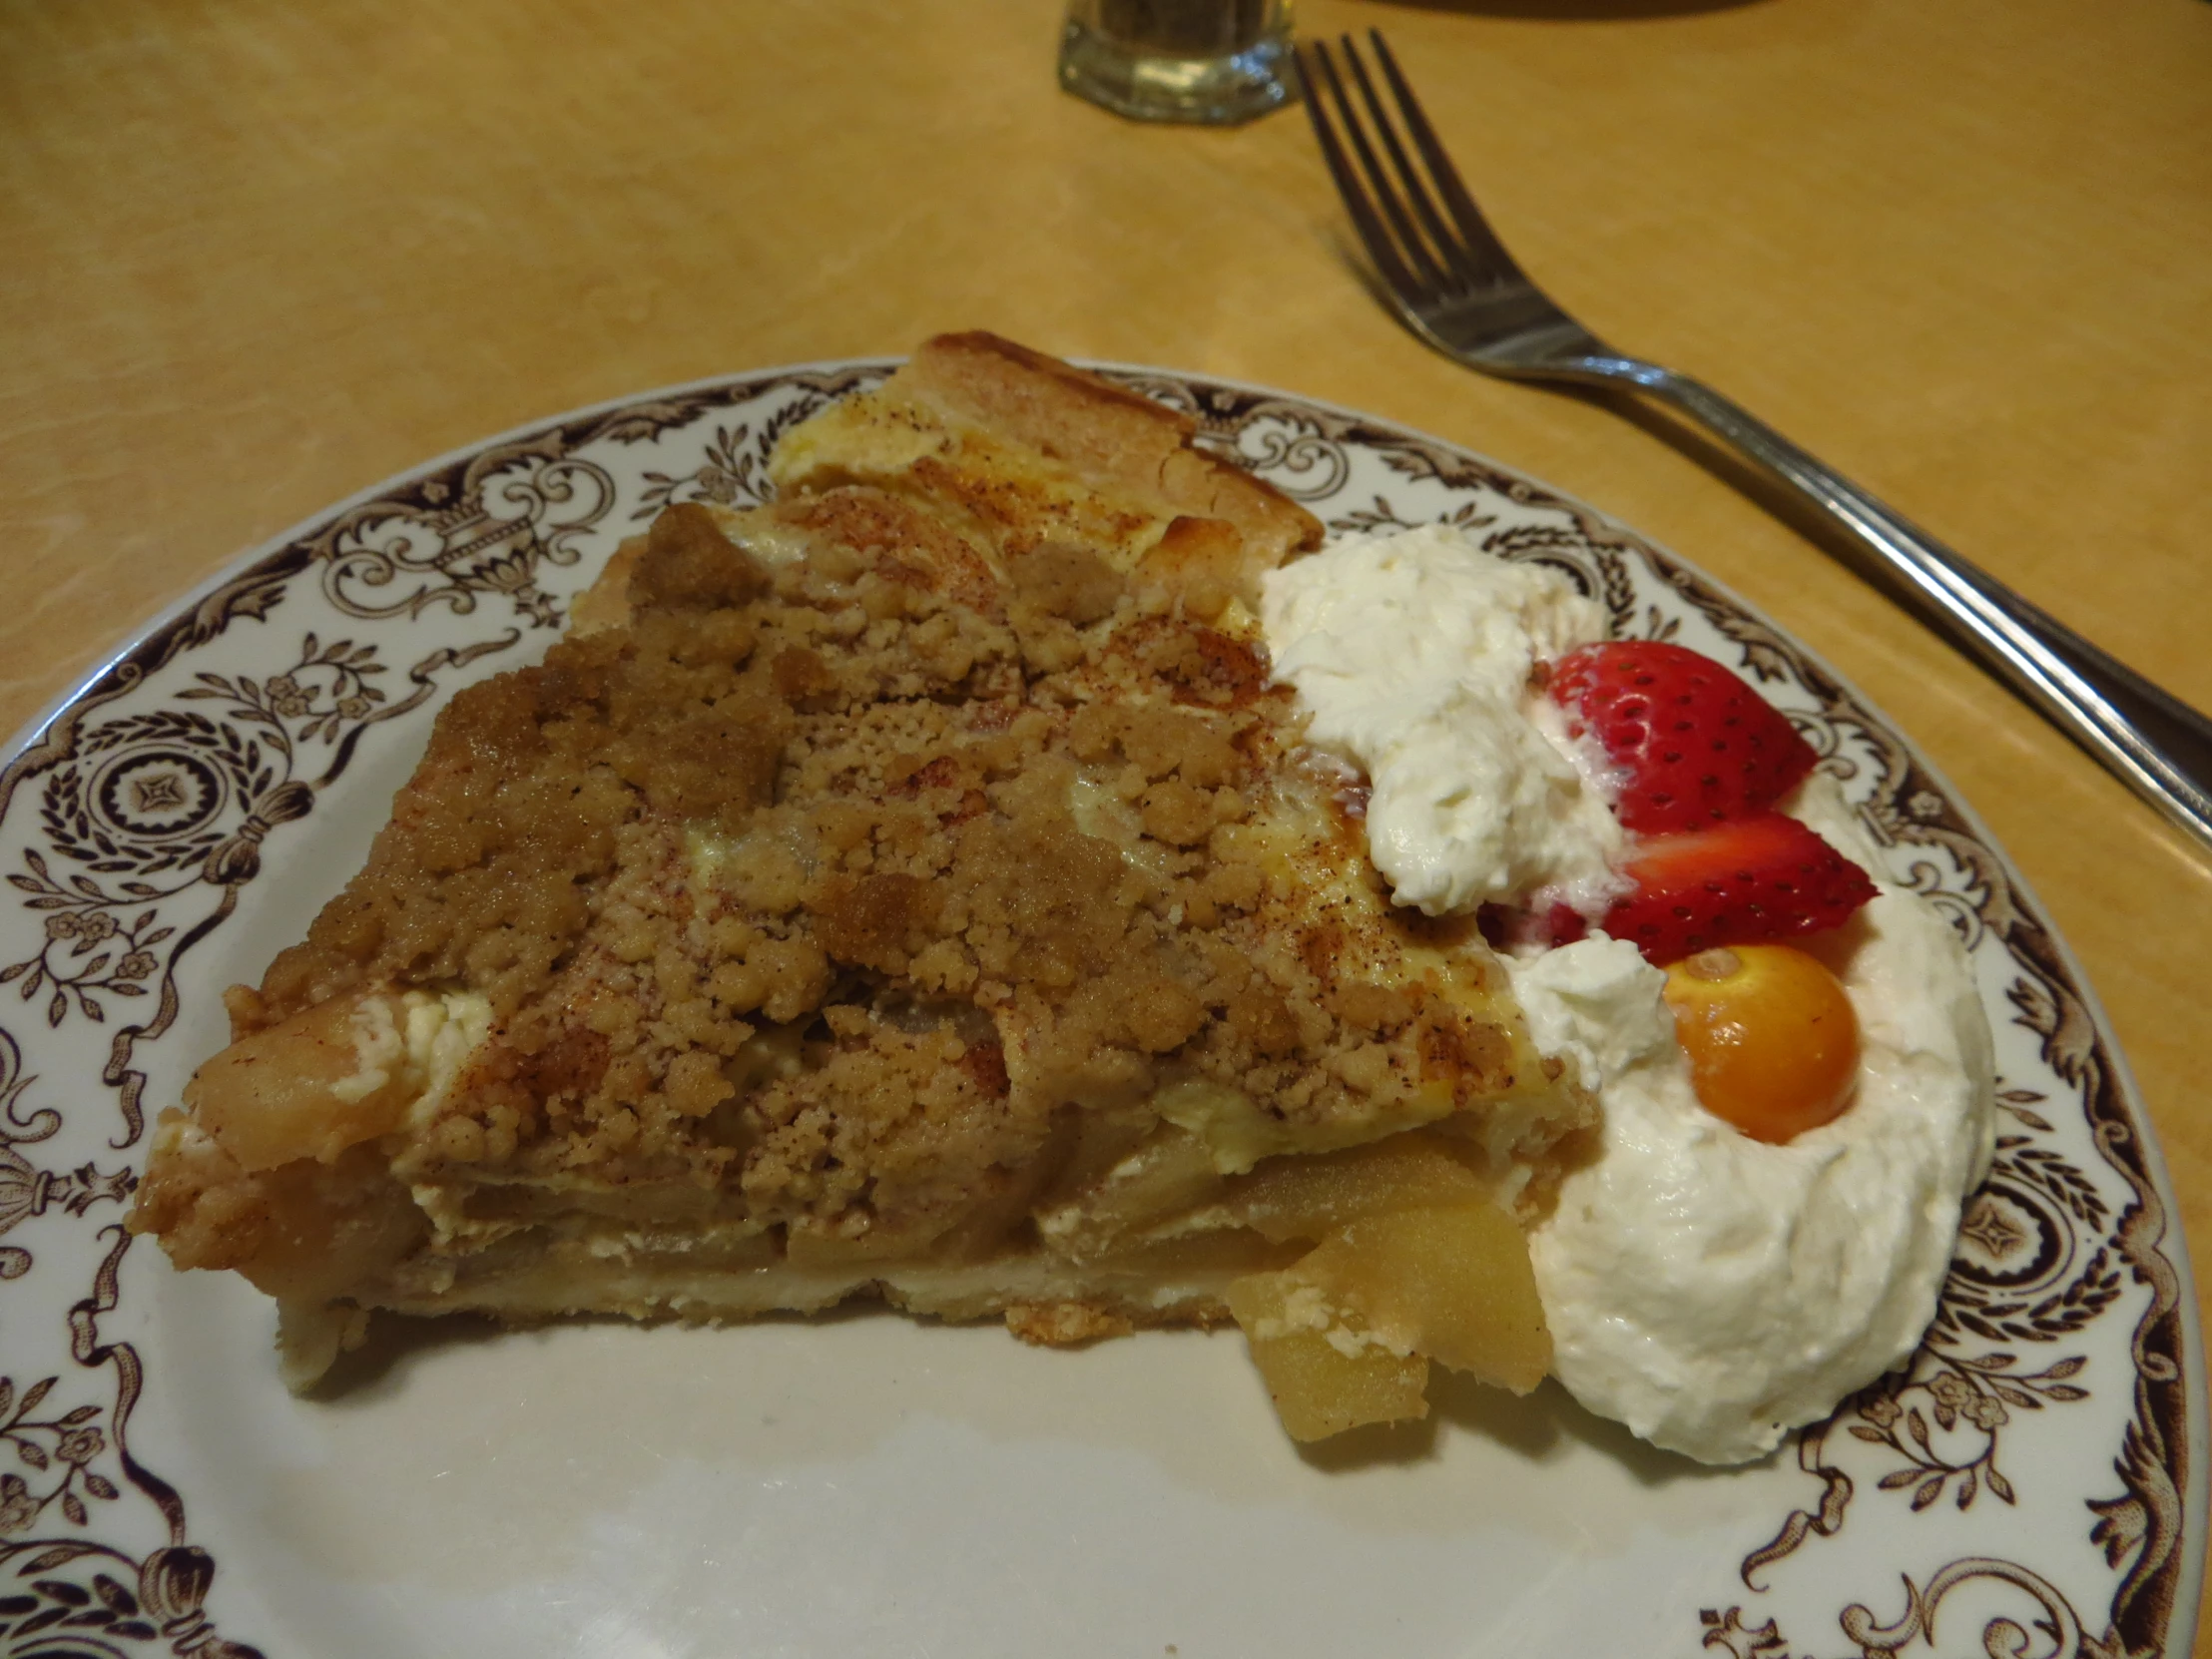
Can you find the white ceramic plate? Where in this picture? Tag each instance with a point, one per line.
(2033, 1484)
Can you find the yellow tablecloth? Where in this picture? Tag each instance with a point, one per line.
(254, 257)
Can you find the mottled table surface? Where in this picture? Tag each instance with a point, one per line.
(257, 256)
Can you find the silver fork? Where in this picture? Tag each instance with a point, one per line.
(1453, 283)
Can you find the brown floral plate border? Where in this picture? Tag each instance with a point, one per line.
(2033, 1476)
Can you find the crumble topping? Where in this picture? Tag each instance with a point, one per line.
(915, 887)
(884, 892)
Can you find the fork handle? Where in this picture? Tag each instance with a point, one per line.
(2156, 743)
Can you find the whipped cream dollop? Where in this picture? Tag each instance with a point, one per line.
(1413, 652)
(1710, 1291)
(1713, 1292)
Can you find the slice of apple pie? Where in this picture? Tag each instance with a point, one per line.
(914, 888)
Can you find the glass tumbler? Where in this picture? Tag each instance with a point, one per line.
(1211, 61)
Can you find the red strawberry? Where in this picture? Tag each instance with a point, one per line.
(1508, 924)
(1746, 881)
(1697, 745)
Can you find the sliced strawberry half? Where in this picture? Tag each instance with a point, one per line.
(1694, 743)
(1746, 881)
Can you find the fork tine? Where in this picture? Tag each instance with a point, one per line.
(1433, 276)
(1374, 234)
(1488, 253)
(1456, 265)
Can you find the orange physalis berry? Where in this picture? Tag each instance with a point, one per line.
(1772, 1039)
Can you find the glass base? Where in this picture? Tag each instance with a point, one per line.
(1212, 91)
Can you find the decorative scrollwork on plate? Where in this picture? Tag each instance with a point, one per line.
(1292, 451)
(60, 1448)
(517, 507)
(2052, 1620)
(70, 1599)
(1942, 1416)
(2031, 1266)
(27, 1190)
